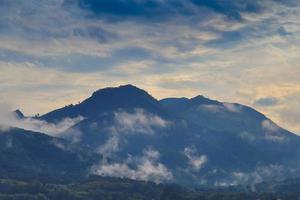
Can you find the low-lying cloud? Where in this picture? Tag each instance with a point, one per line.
(9, 120)
(225, 107)
(195, 160)
(272, 131)
(138, 122)
(147, 168)
(258, 175)
(125, 123)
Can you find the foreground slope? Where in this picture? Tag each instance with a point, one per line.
(97, 188)
(28, 155)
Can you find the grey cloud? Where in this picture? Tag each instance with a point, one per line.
(266, 101)
(155, 9)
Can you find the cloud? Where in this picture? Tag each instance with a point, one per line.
(235, 51)
(232, 107)
(247, 136)
(163, 9)
(195, 160)
(9, 120)
(272, 131)
(137, 122)
(126, 123)
(145, 168)
(110, 146)
(235, 108)
(211, 108)
(269, 126)
(259, 174)
(266, 101)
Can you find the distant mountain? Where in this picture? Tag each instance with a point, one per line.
(188, 141)
(18, 114)
(107, 100)
(29, 155)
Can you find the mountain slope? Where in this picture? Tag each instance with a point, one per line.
(26, 154)
(106, 100)
(188, 141)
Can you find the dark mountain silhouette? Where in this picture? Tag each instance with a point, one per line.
(107, 100)
(197, 140)
(18, 114)
(29, 155)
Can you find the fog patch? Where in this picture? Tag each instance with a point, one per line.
(269, 126)
(224, 107)
(195, 160)
(211, 108)
(146, 168)
(232, 107)
(272, 131)
(258, 175)
(247, 136)
(111, 146)
(126, 123)
(139, 121)
(9, 120)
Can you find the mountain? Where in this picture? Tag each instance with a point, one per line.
(107, 100)
(30, 155)
(18, 114)
(187, 141)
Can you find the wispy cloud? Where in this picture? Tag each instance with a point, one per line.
(147, 167)
(195, 160)
(138, 122)
(259, 174)
(8, 120)
(128, 123)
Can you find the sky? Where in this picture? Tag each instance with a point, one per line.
(57, 52)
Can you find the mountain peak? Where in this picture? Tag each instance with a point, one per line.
(122, 88)
(200, 99)
(110, 99)
(18, 114)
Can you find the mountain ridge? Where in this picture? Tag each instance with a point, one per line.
(193, 141)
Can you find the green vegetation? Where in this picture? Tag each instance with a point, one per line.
(97, 188)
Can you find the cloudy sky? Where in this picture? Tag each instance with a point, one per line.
(56, 52)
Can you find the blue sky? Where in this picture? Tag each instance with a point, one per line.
(57, 52)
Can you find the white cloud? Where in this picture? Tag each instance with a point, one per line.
(261, 173)
(8, 120)
(269, 126)
(248, 136)
(195, 160)
(261, 59)
(137, 122)
(232, 107)
(211, 108)
(111, 146)
(272, 131)
(258, 175)
(145, 168)
(221, 108)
